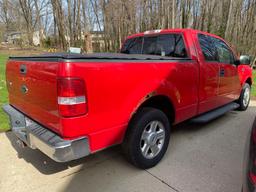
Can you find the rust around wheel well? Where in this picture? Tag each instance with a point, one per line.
(162, 103)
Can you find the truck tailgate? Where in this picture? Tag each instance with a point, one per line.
(33, 90)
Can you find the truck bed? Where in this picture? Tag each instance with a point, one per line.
(115, 83)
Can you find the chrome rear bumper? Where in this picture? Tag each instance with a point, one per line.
(38, 137)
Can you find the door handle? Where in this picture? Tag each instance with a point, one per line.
(222, 72)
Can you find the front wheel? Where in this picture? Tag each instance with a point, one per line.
(147, 138)
(244, 99)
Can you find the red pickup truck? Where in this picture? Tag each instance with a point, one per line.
(71, 105)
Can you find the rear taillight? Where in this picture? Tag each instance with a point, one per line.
(71, 97)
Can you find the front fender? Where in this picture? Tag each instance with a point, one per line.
(245, 74)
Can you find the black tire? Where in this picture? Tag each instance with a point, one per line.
(132, 142)
(240, 101)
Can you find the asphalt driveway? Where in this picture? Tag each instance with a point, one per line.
(200, 158)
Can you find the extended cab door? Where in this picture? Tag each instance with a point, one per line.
(229, 83)
(209, 73)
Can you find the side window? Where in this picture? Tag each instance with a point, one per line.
(149, 45)
(171, 45)
(132, 46)
(208, 48)
(224, 53)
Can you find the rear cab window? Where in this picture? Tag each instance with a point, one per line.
(132, 46)
(170, 45)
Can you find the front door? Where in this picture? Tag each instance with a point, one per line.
(229, 83)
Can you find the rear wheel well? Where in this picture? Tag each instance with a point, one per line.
(162, 103)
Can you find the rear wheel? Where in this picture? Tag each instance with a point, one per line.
(244, 99)
(147, 138)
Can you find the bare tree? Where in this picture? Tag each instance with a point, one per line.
(71, 21)
(59, 20)
(27, 8)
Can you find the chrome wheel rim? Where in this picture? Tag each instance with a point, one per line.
(152, 139)
(246, 97)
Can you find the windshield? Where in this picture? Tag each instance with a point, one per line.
(171, 45)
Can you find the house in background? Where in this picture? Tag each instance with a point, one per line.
(17, 37)
(13, 37)
(36, 37)
(93, 41)
(97, 40)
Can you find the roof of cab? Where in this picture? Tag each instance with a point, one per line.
(160, 31)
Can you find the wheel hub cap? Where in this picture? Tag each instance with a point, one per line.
(246, 97)
(152, 139)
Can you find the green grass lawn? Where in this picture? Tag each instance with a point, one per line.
(4, 124)
(254, 85)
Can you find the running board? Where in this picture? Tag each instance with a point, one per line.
(208, 116)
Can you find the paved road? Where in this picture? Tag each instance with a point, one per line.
(205, 158)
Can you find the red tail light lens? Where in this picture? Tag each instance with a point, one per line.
(71, 87)
(71, 97)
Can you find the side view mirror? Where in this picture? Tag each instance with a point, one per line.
(245, 60)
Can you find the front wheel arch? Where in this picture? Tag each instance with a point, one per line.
(249, 81)
(244, 95)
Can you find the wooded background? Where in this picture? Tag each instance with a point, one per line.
(234, 20)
